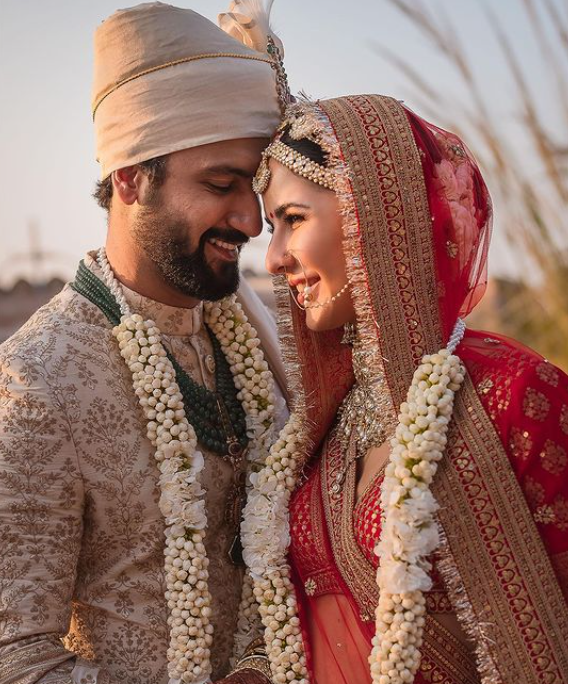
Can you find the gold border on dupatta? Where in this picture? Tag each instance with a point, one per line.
(509, 603)
(508, 577)
(391, 202)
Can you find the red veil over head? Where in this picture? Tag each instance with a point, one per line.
(417, 224)
(461, 212)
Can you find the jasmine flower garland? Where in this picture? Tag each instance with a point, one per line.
(182, 498)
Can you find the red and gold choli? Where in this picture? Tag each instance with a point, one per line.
(334, 565)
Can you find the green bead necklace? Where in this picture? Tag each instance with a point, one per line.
(218, 417)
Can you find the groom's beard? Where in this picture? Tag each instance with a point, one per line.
(164, 240)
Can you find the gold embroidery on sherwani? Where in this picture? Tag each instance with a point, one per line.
(510, 601)
(28, 661)
(78, 489)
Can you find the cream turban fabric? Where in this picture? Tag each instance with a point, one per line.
(167, 79)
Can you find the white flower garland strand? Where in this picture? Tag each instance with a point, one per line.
(182, 499)
(255, 382)
(266, 538)
(409, 532)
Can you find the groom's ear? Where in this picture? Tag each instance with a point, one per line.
(127, 183)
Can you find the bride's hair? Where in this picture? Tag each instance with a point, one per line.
(305, 147)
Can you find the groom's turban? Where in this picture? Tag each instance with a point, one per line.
(167, 79)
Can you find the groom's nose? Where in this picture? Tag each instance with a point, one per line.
(245, 215)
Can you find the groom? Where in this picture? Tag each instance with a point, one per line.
(182, 112)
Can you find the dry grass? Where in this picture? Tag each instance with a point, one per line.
(530, 193)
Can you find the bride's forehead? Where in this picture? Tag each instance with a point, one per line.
(283, 181)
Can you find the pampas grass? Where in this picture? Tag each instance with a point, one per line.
(530, 190)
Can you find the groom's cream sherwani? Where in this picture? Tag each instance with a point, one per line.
(81, 535)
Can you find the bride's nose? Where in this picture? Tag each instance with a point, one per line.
(278, 257)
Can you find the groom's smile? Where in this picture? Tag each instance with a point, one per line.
(225, 248)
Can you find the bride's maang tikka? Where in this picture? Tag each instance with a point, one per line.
(299, 127)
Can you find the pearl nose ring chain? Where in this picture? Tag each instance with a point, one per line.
(308, 290)
(308, 304)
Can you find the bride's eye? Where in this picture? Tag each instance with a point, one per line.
(293, 219)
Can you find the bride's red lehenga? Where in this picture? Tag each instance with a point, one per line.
(420, 262)
(337, 628)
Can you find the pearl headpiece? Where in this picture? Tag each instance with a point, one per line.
(299, 127)
(296, 162)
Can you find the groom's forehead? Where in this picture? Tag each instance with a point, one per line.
(231, 157)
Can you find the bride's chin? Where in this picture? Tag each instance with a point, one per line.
(313, 322)
(320, 320)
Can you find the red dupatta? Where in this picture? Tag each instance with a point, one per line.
(417, 225)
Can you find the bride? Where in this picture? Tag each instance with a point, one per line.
(423, 476)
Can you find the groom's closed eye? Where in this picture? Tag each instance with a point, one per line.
(221, 188)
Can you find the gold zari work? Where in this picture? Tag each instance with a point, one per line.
(478, 491)
(535, 405)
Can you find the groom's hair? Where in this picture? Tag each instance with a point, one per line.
(154, 168)
(305, 147)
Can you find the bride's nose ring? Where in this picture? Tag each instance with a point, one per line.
(307, 292)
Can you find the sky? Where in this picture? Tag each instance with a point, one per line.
(47, 167)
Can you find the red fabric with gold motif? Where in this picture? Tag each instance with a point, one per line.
(525, 397)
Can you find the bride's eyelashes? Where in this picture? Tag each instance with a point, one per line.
(293, 220)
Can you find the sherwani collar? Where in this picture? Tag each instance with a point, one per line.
(173, 321)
